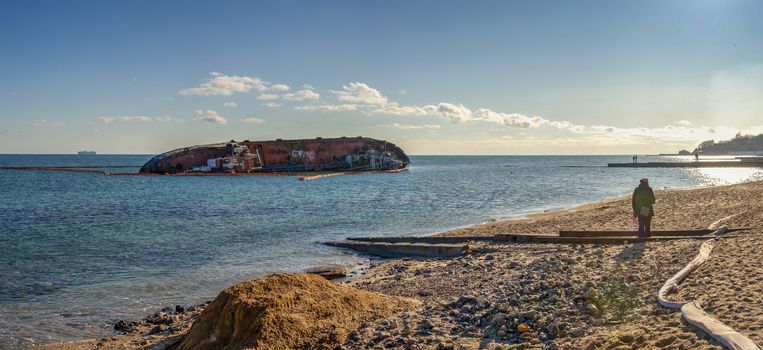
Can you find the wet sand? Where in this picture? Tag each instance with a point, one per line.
(570, 296)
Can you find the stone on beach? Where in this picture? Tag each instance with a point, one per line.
(329, 272)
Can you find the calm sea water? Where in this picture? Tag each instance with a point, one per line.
(81, 251)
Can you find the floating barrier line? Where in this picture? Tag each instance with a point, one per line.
(320, 176)
(692, 312)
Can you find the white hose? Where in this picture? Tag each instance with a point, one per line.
(692, 312)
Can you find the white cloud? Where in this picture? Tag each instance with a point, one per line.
(211, 116)
(126, 118)
(167, 119)
(403, 92)
(682, 123)
(413, 126)
(518, 120)
(267, 97)
(253, 120)
(308, 87)
(46, 124)
(271, 105)
(394, 109)
(454, 112)
(327, 108)
(225, 85)
(360, 93)
(302, 95)
(280, 87)
(230, 104)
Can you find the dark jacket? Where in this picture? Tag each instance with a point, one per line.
(643, 196)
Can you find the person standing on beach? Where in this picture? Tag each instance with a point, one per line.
(643, 198)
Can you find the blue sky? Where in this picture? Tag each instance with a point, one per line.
(436, 77)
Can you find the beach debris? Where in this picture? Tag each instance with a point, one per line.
(328, 272)
(287, 311)
(384, 249)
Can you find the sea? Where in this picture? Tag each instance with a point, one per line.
(80, 251)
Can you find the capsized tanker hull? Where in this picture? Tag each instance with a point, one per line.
(336, 154)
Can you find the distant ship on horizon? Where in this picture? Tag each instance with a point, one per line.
(86, 153)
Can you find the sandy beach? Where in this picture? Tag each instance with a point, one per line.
(557, 296)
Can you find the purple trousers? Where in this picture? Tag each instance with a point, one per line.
(644, 226)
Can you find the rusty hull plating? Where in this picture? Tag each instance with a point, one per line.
(344, 154)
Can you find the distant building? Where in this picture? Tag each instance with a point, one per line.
(740, 145)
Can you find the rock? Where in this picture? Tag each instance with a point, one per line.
(157, 329)
(125, 327)
(523, 328)
(626, 338)
(576, 332)
(499, 318)
(329, 272)
(665, 341)
(159, 318)
(445, 346)
(592, 309)
(179, 309)
(530, 315)
(489, 257)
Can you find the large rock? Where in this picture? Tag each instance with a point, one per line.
(287, 311)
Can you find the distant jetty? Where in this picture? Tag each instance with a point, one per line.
(738, 162)
(86, 153)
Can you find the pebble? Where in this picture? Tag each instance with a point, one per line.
(666, 341)
(157, 329)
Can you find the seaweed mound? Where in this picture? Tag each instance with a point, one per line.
(287, 311)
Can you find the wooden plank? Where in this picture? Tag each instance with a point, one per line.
(426, 239)
(662, 233)
(586, 240)
(404, 249)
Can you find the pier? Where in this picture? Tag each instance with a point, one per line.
(701, 164)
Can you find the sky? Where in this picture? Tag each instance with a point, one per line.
(434, 77)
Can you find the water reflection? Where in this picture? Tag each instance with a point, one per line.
(725, 176)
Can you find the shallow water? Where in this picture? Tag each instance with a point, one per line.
(79, 251)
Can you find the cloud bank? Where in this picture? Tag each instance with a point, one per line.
(362, 97)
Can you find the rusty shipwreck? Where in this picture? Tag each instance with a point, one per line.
(344, 154)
